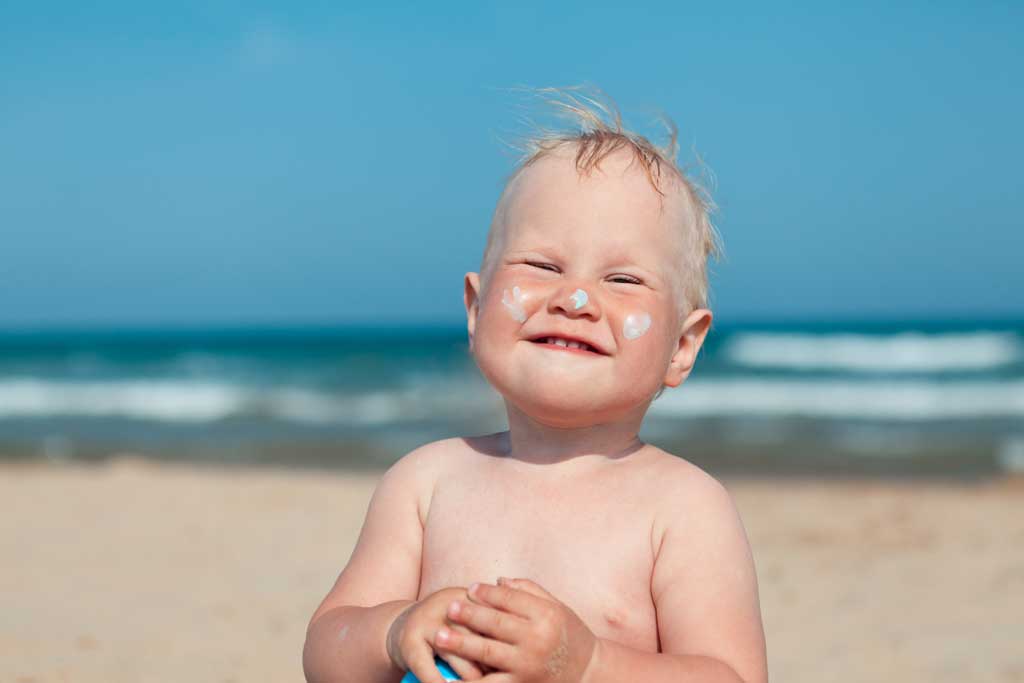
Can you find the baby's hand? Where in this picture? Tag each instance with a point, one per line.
(523, 631)
(411, 636)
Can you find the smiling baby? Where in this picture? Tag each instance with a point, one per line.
(624, 562)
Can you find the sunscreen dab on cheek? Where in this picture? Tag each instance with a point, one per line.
(635, 325)
(579, 299)
(513, 303)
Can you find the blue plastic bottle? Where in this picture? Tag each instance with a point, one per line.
(442, 666)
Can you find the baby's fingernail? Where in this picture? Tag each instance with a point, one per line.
(454, 607)
(473, 588)
(443, 634)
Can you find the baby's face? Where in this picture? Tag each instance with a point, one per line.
(593, 259)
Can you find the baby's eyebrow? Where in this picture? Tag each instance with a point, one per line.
(540, 252)
(622, 258)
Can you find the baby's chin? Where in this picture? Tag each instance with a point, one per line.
(565, 407)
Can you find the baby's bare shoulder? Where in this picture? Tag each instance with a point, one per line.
(444, 454)
(422, 467)
(439, 460)
(432, 455)
(682, 492)
(678, 475)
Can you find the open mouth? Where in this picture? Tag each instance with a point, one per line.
(559, 343)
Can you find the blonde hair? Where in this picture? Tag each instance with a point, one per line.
(599, 133)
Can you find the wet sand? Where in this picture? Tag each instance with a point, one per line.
(131, 570)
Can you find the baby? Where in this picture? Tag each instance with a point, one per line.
(624, 562)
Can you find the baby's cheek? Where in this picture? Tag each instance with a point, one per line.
(643, 338)
(518, 302)
(513, 301)
(635, 325)
(505, 310)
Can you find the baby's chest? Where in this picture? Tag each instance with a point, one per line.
(594, 556)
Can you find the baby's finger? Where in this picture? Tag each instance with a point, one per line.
(488, 621)
(467, 670)
(493, 653)
(421, 663)
(507, 599)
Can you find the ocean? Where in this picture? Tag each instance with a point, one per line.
(928, 397)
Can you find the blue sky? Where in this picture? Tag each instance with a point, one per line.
(213, 163)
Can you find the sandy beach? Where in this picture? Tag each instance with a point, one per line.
(132, 570)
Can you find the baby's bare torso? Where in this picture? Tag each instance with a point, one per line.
(584, 533)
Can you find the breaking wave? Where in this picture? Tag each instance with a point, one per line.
(184, 401)
(877, 400)
(897, 353)
(187, 401)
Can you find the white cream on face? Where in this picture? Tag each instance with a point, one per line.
(514, 303)
(635, 325)
(579, 299)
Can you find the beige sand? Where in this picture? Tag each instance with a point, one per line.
(139, 572)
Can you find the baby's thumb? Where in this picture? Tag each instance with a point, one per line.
(422, 667)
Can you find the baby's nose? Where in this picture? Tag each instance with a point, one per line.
(576, 302)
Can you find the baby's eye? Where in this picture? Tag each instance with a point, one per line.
(544, 266)
(627, 279)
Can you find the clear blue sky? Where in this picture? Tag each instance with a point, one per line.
(311, 162)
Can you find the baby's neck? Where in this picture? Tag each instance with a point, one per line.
(535, 443)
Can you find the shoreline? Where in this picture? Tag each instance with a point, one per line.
(811, 455)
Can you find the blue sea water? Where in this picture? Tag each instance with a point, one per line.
(874, 385)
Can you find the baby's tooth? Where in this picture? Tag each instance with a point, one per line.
(561, 342)
(575, 345)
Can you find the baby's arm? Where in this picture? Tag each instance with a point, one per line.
(347, 633)
(705, 592)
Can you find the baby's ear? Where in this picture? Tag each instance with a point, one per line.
(695, 329)
(471, 297)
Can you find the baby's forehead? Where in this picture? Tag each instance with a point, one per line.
(617, 194)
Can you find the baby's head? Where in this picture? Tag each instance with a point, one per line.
(598, 237)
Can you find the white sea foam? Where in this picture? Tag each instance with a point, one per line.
(193, 401)
(173, 401)
(187, 401)
(904, 352)
(881, 400)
